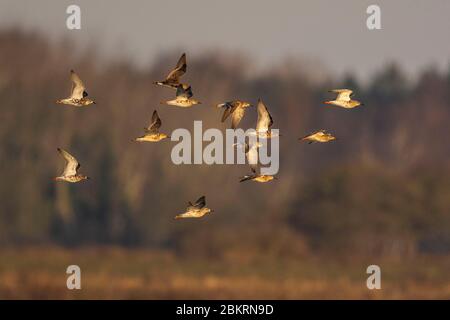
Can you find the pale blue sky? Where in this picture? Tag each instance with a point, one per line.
(415, 32)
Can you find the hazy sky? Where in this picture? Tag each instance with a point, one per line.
(415, 33)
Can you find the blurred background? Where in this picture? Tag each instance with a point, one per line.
(378, 195)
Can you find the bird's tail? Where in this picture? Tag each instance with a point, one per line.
(304, 138)
(180, 216)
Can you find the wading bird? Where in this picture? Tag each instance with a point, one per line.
(183, 98)
(173, 78)
(196, 210)
(152, 133)
(234, 108)
(319, 136)
(78, 96)
(70, 171)
(344, 100)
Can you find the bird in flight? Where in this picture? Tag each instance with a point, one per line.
(264, 122)
(343, 99)
(234, 108)
(173, 78)
(78, 95)
(70, 171)
(319, 136)
(152, 133)
(257, 177)
(196, 210)
(183, 97)
(251, 152)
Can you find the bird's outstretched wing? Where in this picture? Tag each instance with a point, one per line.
(236, 117)
(229, 106)
(264, 118)
(252, 156)
(200, 203)
(343, 94)
(248, 176)
(178, 71)
(184, 91)
(72, 164)
(78, 88)
(155, 123)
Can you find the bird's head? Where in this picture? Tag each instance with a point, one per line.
(87, 102)
(331, 138)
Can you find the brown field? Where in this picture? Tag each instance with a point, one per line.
(116, 273)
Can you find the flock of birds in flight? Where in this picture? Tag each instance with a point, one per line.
(184, 98)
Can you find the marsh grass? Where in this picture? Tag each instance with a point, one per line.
(116, 273)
